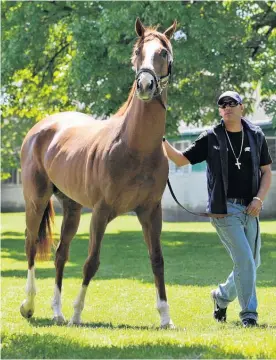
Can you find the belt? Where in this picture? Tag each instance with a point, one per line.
(244, 202)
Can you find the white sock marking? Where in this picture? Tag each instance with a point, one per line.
(164, 311)
(27, 306)
(30, 286)
(78, 306)
(56, 302)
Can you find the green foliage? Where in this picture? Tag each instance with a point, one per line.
(120, 319)
(60, 54)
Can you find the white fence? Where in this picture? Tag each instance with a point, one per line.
(190, 190)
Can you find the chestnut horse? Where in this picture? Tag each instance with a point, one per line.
(112, 166)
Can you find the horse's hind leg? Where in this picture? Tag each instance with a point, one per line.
(39, 213)
(70, 224)
(151, 221)
(102, 214)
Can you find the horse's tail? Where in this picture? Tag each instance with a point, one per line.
(45, 236)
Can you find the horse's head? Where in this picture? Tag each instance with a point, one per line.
(152, 60)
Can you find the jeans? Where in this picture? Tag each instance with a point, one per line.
(241, 237)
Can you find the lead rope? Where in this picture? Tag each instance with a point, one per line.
(203, 214)
(256, 239)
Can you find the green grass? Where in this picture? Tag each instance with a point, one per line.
(120, 320)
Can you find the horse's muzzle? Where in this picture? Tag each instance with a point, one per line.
(145, 87)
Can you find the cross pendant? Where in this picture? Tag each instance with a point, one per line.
(238, 164)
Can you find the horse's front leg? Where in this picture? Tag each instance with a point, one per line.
(151, 221)
(102, 214)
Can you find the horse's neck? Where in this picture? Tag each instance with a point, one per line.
(144, 124)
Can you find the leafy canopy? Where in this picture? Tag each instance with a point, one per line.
(63, 55)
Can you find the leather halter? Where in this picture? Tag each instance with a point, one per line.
(161, 82)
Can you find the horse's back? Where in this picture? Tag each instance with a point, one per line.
(62, 146)
(60, 122)
(56, 127)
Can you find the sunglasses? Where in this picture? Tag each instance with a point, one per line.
(228, 103)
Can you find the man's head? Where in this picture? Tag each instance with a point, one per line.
(230, 106)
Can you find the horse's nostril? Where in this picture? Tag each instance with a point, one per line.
(151, 85)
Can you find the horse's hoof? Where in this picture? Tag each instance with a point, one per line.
(170, 326)
(26, 313)
(74, 322)
(59, 320)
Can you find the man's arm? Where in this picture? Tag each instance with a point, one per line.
(265, 181)
(255, 206)
(175, 155)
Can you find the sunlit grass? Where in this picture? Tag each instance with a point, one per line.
(120, 320)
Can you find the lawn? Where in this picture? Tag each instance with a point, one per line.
(119, 318)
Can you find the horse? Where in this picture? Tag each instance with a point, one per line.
(112, 166)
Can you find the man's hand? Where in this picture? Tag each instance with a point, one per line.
(254, 208)
(175, 155)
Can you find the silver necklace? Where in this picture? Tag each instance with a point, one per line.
(237, 163)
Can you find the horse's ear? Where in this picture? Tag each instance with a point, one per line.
(139, 27)
(169, 32)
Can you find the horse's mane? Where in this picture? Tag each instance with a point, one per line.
(150, 33)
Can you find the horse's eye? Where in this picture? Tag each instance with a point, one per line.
(164, 53)
(137, 52)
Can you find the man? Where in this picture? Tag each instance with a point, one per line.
(238, 176)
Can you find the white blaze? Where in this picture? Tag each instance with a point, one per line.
(146, 78)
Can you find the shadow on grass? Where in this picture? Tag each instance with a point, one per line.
(259, 326)
(39, 322)
(36, 322)
(47, 346)
(190, 258)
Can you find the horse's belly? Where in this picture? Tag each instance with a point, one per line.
(70, 179)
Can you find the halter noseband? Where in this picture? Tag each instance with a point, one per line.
(161, 82)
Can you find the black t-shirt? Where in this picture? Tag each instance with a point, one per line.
(239, 180)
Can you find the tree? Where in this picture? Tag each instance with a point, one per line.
(58, 55)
